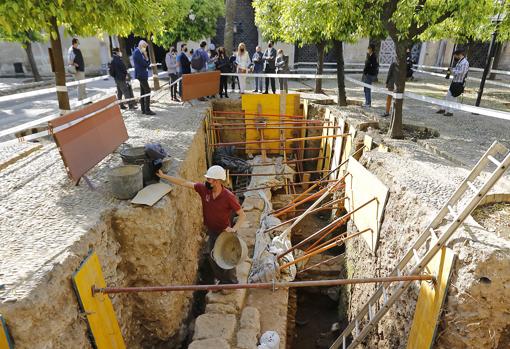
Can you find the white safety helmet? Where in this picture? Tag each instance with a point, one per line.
(216, 172)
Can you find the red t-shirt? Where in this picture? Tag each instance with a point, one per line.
(217, 211)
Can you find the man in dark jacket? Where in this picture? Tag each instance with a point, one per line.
(142, 64)
(258, 67)
(119, 72)
(77, 66)
(269, 58)
(223, 65)
(369, 73)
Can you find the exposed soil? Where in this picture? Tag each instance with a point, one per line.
(495, 217)
(412, 132)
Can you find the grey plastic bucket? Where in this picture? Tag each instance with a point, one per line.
(126, 181)
(229, 250)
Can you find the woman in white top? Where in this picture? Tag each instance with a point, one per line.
(243, 62)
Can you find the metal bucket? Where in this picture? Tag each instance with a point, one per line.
(137, 156)
(126, 181)
(229, 250)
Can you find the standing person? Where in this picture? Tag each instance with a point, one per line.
(183, 65)
(223, 65)
(119, 72)
(233, 67)
(243, 62)
(142, 65)
(391, 78)
(171, 66)
(459, 71)
(269, 58)
(213, 56)
(77, 66)
(409, 64)
(199, 58)
(258, 67)
(218, 204)
(282, 67)
(369, 73)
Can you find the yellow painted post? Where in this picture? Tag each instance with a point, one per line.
(430, 301)
(6, 341)
(97, 308)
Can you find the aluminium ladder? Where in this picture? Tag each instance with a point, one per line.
(386, 295)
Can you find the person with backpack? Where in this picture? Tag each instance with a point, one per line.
(142, 64)
(369, 73)
(460, 72)
(199, 58)
(243, 63)
(223, 65)
(119, 72)
(171, 66)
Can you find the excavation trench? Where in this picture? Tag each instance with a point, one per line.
(162, 245)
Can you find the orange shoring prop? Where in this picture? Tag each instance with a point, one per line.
(286, 141)
(320, 250)
(321, 231)
(293, 219)
(311, 197)
(339, 237)
(320, 263)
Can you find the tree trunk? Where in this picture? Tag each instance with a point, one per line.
(58, 65)
(320, 66)
(228, 36)
(123, 49)
(396, 130)
(497, 57)
(31, 60)
(153, 61)
(340, 75)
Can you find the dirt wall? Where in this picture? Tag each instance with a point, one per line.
(136, 246)
(476, 310)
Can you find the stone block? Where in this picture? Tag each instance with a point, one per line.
(236, 298)
(215, 326)
(251, 203)
(213, 343)
(247, 339)
(250, 319)
(242, 271)
(218, 308)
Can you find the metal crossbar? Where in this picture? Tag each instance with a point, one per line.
(460, 205)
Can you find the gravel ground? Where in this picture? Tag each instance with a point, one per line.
(43, 213)
(495, 217)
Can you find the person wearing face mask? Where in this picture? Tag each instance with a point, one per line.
(282, 67)
(269, 58)
(171, 66)
(223, 65)
(142, 64)
(119, 72)
(77, 66)
(258, 67)
(243, 62)
(218, 204)
(183, 64)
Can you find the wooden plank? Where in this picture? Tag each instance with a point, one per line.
(430, 301)
(97, 308)
(6, 341)
(360, 187)
(348, 146)
(330, 121)
(199, 85)
(85, 144)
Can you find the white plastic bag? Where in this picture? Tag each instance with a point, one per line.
(269, 340)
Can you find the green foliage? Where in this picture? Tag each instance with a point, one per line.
(22, 37)
(203, 13)
(309, 21)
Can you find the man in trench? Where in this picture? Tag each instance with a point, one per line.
(218, 205)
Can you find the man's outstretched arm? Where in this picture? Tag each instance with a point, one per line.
(176, 180)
